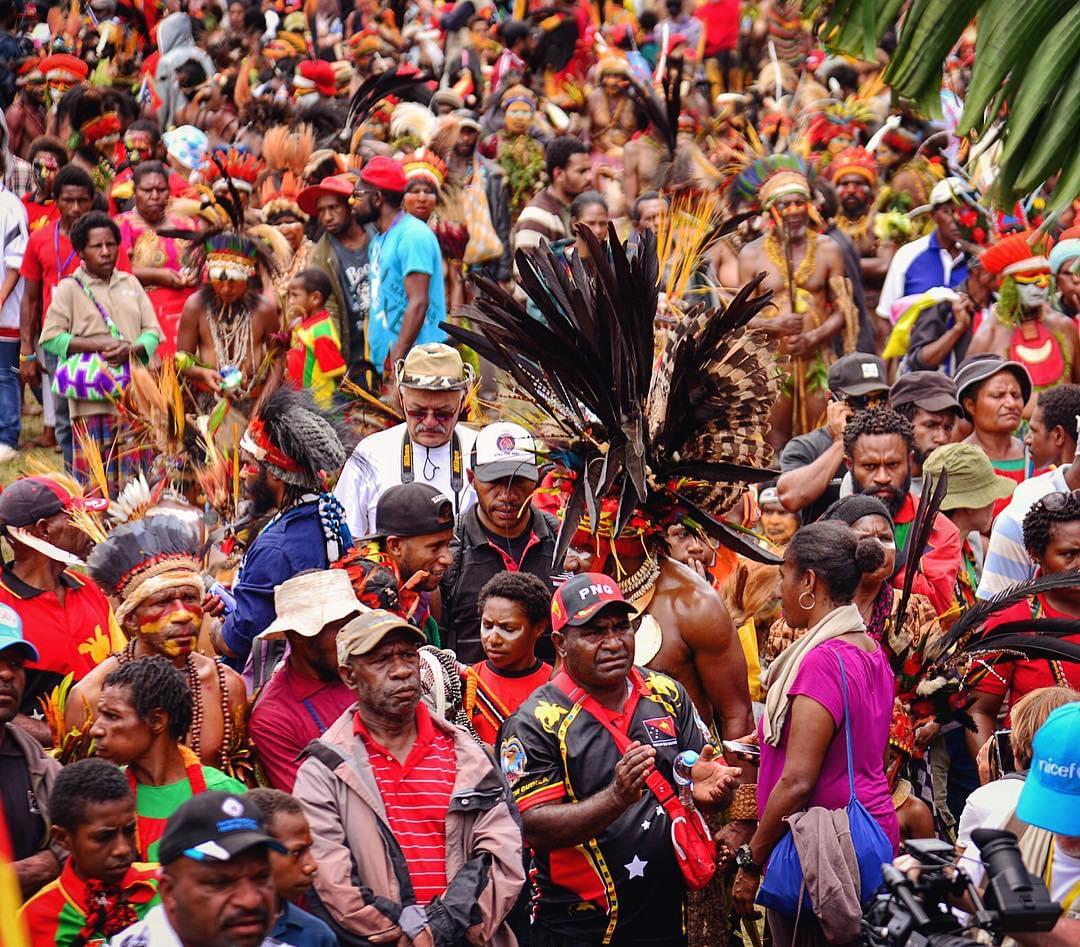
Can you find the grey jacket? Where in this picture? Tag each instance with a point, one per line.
(43, 769)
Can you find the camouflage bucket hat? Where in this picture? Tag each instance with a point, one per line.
(434, 366)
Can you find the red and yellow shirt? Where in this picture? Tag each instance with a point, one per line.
(59, 911)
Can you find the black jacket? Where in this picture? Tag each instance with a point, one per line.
(476, 561)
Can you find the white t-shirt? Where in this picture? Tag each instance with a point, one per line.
(988, 807)
(375, 465)
(1065, 881)
(13, 239)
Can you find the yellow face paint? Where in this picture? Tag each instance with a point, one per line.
(157, 633)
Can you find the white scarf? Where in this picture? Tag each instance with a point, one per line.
(845, 620)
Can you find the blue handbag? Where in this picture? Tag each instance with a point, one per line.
(782, 888)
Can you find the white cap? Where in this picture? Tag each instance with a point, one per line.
(504, 449)
(948, 190)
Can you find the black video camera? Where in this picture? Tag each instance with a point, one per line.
(915, 912)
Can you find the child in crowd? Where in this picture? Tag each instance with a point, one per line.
(294, 871)
(315, 360)
(101, 889)
(514, 613)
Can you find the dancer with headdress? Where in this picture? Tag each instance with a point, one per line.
(152, 567)
(813, 298)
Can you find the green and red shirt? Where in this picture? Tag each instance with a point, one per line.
(60, 911)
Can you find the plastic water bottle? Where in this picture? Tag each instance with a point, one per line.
(683, 768)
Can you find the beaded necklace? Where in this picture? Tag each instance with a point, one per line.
(638, 584)
(775, 252)
(194, 734)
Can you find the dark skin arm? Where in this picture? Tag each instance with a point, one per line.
(29, 330)
(187, 340)
(417, 288)
(812, 729)
(811, 340)
(564, 825)
(800, 487)
(984, 711)
(934, 353)
(875, 267)
(1066, 933)
(35, 871)
(267, 321)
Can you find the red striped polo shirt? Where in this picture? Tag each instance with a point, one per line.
(416, 795)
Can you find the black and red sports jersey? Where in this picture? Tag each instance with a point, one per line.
(623, 886)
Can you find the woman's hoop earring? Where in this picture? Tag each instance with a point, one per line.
(813, 601)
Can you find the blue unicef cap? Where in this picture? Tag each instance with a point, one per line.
(1051, 796)
(11, 635)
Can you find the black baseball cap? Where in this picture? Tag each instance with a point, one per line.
(931, 391)
(577, 600)
(214, 827)
(413, 509)
(857, 374)
(30, 499)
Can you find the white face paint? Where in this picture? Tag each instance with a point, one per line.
(1032, 296)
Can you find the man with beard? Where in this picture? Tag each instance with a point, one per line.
(430, 447)
(342, 254)
(1024, 327)
(101, 889)
(305, 694)
(289, 450)
(153, 568)
(216, 883)
(813, 302)
(928, 401)
(414, 832)
(67, 619)
(937, 259)
(879, 446)
(408, 295)
(142, 715)
(853, 173)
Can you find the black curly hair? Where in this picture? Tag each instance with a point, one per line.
(1039, 521)
(85, 781)
(877, 421)
(272, 801)
(154, 684)
(526, 589)
(1061, 408)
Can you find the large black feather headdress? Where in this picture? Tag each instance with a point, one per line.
(141, 557)
(644, 435)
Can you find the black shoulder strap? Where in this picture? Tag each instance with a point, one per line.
(331, 757)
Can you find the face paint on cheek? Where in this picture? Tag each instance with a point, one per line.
(173, 645)
(1031, 295)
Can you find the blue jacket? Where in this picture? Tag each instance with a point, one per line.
(297, 928)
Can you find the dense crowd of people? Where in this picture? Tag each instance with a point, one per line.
(523, 474)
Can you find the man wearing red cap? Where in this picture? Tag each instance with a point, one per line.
(1024, 328)
(588, 757)
(342, 253)
(407, 296)
(66, 617)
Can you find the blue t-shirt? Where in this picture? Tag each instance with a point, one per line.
(296, 928)
(409, 246)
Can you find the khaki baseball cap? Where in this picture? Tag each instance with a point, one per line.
(363, 634)
(307, 603)
(973, 482)
(434, 366)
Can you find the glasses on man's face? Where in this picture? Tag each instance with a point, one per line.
(1056, 502)
(422, 414)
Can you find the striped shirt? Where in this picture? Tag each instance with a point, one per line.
(545, 217)
(416, 795)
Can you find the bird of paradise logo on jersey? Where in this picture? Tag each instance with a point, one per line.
(664, 692)
(549, 715)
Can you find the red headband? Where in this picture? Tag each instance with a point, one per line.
(271, 454)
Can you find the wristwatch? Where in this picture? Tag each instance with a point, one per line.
(744, 859)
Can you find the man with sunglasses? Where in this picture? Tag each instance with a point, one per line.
(1025, 328)
(429, 447)
(812, 465)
